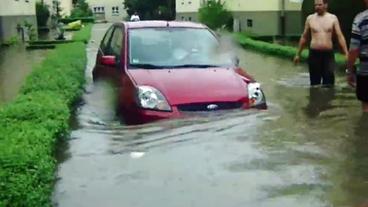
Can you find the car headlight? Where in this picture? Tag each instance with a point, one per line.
(255, 93)
(151, 98)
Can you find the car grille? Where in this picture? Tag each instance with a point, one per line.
(209, 106)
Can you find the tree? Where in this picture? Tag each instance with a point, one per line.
(81, 9)
(215, 15)
(345, 10)
(42, 14)
(148, 9)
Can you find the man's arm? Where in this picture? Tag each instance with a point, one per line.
(352, 57)
(354, 52)
(303, 40)
(340, 37)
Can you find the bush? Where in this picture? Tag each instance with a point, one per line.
(31, 124)
(215, 15)
(277, 50)
(42, 13)
(81, 9)
(83, 19)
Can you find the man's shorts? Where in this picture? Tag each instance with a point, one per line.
(362, 88)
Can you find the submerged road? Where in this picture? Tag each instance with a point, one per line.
(308, 150)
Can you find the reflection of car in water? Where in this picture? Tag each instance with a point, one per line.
(166, 68)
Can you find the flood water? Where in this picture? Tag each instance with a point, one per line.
(15, 64)
(309, 149)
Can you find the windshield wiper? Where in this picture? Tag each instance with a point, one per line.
(194, 66)
(147, 66)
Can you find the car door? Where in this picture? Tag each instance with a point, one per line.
(99, 69)
(108, 63)
(114, 49)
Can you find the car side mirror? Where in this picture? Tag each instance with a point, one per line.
(108, 60)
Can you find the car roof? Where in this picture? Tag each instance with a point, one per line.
(154, 23)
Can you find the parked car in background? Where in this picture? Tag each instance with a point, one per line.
(164, 69)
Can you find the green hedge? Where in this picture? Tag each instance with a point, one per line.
(83, 19)
(31, 124)
(277, 50)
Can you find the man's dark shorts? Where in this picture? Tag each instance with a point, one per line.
(321, 67)
(362, 87)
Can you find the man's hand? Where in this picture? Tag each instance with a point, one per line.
(350, 78)
(346, 56)
(296, 59)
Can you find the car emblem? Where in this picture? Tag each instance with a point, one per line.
(212, 107)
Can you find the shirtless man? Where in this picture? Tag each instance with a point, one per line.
(321, 26)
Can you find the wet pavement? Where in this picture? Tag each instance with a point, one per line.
(309, 149)
(15, 64)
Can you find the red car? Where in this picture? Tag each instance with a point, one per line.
(166, 68)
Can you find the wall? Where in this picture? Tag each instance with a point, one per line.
(252, 5)
(259, 23)
(293, 23)
(187, 16)
(17, 7)
(107, 13)
(15, 13)
(66, 6)
(187, 6)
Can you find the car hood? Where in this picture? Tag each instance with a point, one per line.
(181, 86)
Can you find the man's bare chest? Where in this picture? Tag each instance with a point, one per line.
(321, 25)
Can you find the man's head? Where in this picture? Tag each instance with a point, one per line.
(320, 6)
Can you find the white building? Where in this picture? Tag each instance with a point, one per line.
(109, 10)
(260, 17)
(13, 16)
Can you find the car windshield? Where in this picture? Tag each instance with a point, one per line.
(175, 47)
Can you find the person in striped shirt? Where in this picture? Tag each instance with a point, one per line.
(321, 26)
(359, 48)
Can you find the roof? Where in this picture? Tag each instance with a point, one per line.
(151, 23)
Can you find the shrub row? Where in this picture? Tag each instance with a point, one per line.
(277, 50)
(83, 19)
(31, 124)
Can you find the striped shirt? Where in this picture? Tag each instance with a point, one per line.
(359, 40)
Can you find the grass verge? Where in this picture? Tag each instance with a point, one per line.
(32, 123)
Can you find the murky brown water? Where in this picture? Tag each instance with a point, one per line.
(309, 149)
(15, 64)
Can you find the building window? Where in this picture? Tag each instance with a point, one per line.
(27, 1)
(115, 10)
(189, 2)
(190, 18)
(249, 22)
(182, 3)
(182, 18)
(98, 10)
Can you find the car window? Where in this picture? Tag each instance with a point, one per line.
(174, 47)
(116, 41)
(106, 39)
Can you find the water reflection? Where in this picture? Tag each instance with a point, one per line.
(320, 99)
(15, 64)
